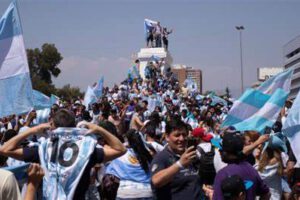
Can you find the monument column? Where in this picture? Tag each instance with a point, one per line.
(145, 54)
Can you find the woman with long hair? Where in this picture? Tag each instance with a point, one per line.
(133, 169)
(270, 168)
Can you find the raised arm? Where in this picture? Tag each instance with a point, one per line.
(35, 176)
(165, 176)
(248, 149)
(11, 147)
(115, 149)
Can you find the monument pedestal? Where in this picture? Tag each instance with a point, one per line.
(145, 55)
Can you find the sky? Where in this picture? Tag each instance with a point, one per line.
(100, 37)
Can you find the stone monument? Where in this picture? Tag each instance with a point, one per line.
(145, 54)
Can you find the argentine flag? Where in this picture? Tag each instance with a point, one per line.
(291, 127)
(89, 97)
(217, 100)
(54, 99)
(148, 26)
(41, 101)
(15, 84)
(258, 108)
(98, 89)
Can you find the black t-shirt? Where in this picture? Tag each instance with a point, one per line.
(31, 155)
(186, 184)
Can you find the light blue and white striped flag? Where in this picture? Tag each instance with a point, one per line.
(217, 100)
(15, 84)
(40, 100)
(89, 97)
(98, 89)
(54, 99)
(291, 127)
(148, 26)
(258, 108)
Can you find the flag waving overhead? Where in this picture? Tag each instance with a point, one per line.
(98, 89)
(54, 99)
(41, 101)
(217, 100)
(89, 97)
(148, 26)
(15, 84)
(258, 108)
(291, 127)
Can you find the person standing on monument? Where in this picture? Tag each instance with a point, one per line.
(150, 37)
(157, 34)
(165, 34)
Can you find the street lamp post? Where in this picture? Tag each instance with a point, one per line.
(240, 29)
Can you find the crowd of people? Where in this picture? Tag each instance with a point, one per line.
(146, 139)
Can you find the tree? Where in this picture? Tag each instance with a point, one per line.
(67, 92)
(43, 64)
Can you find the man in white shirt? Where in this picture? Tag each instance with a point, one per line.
(157, 35)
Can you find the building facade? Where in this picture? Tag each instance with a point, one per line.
(265, 73)
(182, 72)
(291, 53)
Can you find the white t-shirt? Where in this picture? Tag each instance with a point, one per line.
(9, 188)
(218, 163)
(157, 147)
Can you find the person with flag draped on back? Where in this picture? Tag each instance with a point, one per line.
(133, 169)
(149, 31)
(68, 152)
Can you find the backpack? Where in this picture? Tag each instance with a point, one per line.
(207, 170)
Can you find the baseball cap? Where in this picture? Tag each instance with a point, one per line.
(201, 133)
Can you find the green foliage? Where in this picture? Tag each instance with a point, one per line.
(43, 65)
(67, 92)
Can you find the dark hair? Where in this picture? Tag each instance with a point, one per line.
(230, 158)
(232, 186)
(155, 118)
(64, 118)
(145, 102)
(105, 114)
(175, 124)
(136, 143)
(150, 129)
(295, 192)
(86, 116)
(138, 108)
(113, 111)
(110, 127)
(7, 135)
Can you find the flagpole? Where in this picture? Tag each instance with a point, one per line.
(240, 29)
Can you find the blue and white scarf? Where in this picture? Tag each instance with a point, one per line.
(64, 157)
